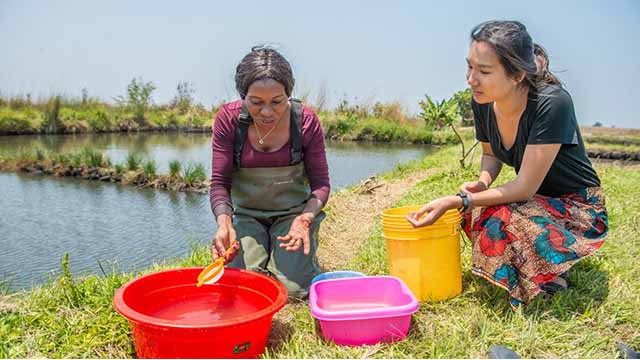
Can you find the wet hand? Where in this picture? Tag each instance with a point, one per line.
(298, 234)
(473, 187)
(224, 239)
(434, 211)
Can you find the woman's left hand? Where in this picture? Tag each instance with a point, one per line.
(298, 234)
(435, 209)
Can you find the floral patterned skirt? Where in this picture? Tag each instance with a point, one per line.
(519, 246)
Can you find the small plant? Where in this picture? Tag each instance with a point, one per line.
(51, 122)
(194, 174)
(133, 161)
(184, 97)
(5, 285)
(41, 154)
(119, 168)
(149, 169)
(174, 169)
(76, 159)
(68, 285)
(138, 99)
(463, 100)
(437, 115)
(93, 158)
(61, 158)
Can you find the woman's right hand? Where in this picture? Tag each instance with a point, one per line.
(474, 187)
(224, 239)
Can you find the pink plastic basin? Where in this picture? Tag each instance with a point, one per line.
(364, 310)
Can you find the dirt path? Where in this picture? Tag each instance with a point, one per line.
(353, 217)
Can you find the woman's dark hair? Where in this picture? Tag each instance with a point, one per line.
(516, 51)
(542, 64)
(263, 62)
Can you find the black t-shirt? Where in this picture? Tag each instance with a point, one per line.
(549, 118)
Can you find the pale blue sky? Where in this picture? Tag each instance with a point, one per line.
(372, 50)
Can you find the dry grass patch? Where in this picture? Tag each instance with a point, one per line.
(353, 214)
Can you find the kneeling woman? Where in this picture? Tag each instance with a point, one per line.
(528, 232)
(269, 178)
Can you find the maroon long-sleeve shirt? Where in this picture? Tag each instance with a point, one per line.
(224, 127)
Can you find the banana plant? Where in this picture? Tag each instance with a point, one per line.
(437, 115)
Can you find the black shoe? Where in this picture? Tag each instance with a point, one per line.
(501, 352)
(627, 352)
(559, 285)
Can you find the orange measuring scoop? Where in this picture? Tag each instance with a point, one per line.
(214, 271)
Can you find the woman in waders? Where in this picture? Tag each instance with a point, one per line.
(527, 233)
(269, 178)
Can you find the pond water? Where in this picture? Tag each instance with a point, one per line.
(41, 218)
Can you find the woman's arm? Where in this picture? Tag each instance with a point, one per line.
(315, 162)
(313, 208)
(490, 167)
(536, 162)
(222, 163)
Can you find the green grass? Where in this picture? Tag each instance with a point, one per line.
(174, 169)
(609, 146)
(193, 173)
(20, 121)
(586, 322)
(93, 158)
(150, 168)
(133, 161)
(74, 317)
(353, 127)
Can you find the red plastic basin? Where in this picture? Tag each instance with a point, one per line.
(172, 318)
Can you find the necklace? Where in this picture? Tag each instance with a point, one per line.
(260, 137)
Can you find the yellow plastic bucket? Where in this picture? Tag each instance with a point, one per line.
(427, 259)
(402, 212)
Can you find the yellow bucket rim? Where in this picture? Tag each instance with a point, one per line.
(418, 238)
(405, 210)
(422, 228)
(405, 222)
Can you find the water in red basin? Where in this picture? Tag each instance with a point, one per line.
(203, 308)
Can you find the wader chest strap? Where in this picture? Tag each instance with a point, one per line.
(295, 133)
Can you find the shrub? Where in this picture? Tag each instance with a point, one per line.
(92, 157)
(174, 168)
(133, 161)
(119, 168)
(41, 154)
(149, 168)
(391, 111)
(19, 121)
(51, 122)
(99, 119)
(183, 99)
(193, 174)
(62, 158)
(138, 99)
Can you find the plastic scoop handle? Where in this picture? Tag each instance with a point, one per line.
(214, 270)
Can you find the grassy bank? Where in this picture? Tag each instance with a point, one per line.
(387, 124)
(74, 317)
(90, 164)
(73, 118)
(611, 139)
(380, 122)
